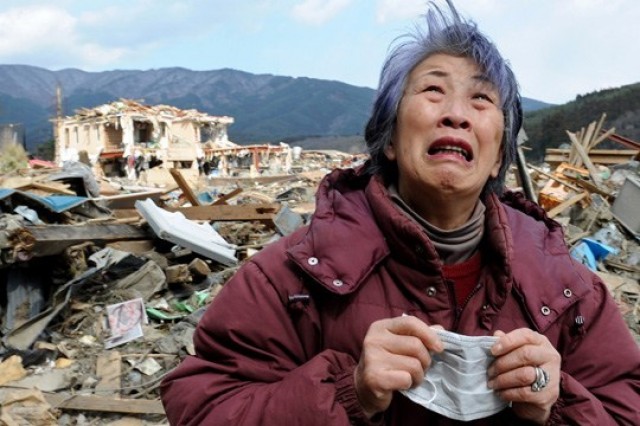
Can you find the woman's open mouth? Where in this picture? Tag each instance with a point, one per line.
(459, 148)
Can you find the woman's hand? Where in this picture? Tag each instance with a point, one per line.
(395, 356)
(511, 375)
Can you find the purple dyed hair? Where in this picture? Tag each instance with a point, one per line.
(453, 35)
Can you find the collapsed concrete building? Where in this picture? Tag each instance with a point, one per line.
(125, 136)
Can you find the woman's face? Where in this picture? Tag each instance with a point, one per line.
(448, 133)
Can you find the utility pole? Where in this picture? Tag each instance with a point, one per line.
(523, 171)
(58, 120)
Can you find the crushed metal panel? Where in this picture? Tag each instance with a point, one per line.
(174, 227)
(627, 205)
(287, 221)
(25, 334)
(55, 203)
(25, 298)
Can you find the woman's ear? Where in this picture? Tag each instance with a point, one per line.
(495, 170)
(390, 151)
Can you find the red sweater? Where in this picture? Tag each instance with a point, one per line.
(465, 276)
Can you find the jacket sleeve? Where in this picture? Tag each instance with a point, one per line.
(600, 381)
(251, 366)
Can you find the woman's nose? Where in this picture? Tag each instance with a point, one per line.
(454, 115)
(455, 121)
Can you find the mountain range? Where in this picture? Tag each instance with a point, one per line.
(266, 108)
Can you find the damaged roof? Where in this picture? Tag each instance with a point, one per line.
(135, 108)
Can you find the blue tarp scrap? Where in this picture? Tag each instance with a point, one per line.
(55, 203)
(206, 198)
(589, 252)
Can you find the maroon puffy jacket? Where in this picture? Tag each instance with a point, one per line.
(279, 344)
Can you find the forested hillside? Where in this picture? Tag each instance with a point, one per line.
(546, 128)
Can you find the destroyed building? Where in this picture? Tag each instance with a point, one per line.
(123, 137)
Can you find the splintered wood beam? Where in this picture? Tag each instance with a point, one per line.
(184, 186)
(248, 212)
(592, 188)
(104, 404)
(554, 178)
(596, 141)
(555, 156)
(593, 172)
(566, 204)
(574, 160)
(52, 189)
(224, 212)
(224, 198)
(586, 141)
(54, 239)
(594, 138)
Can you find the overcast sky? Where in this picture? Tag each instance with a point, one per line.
(558, 48)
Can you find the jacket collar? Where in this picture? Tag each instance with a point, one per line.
(547, 279)
(343, 243)
(356, 209)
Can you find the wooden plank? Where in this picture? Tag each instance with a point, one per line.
(224, 212)
(261, 212)
(82, 233)
(566, 204)
(573, 154)
(597, 156)
(109, 370)
(586, 142)
(184, 186)
(246, 181)
(54, 239)
(598, 127)
(126, 214)
(111, 220)
(592, 188)
(600, 138)
(127, 201)
(259, 197)
(593, 172)
(135, 247)
(623, 266)
(603, 152)
(550, 176)
(52, 188)
(104, 404)
(226, 197)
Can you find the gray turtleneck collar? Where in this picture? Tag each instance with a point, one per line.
(454, 245)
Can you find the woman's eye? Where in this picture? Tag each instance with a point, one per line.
(483, 97)
(432, 88)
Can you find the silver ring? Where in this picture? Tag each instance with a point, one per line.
(542, 380)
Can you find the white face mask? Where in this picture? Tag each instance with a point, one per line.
(456, 383)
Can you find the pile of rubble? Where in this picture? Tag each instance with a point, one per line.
(104, 280)
(595, 194)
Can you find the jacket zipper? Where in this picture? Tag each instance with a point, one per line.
(460, 309)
